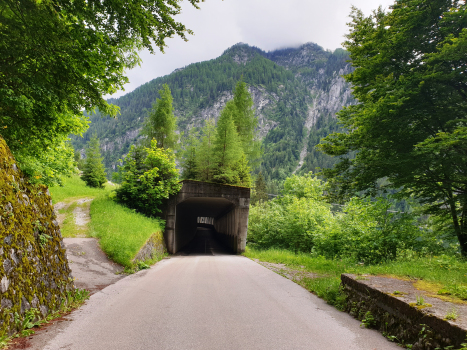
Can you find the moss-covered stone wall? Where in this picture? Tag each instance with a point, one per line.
(397, 320)
(34, 271)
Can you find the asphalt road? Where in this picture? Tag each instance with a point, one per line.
(211, 301)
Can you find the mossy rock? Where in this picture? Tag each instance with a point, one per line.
(34, 271)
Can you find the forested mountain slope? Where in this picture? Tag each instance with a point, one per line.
(296, 93)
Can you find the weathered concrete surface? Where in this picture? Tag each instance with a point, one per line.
(154, 246)
(90, 267)
(227, 205)
(211, 302)
(398, 315)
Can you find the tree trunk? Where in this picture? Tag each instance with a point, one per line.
(459, 227)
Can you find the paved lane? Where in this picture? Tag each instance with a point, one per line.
(211, 302)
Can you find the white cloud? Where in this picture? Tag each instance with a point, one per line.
(267, 24)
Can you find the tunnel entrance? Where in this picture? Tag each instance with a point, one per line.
(189, 214)
(205, 242)
(221, 209)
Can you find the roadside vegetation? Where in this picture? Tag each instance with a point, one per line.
(121, 231)
(363, 236)
(33, 319)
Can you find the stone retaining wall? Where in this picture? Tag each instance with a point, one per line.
(34, 271)
(397, 318)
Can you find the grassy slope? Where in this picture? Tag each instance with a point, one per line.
(121, 231)
(444, 275)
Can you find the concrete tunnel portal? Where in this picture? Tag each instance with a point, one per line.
(222, 207)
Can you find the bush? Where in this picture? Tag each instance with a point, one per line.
(291, 221)
(148, 177)
(366, 231)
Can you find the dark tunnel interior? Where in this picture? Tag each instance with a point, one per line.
(193, 238)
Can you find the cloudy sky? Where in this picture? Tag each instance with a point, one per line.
(267, 24)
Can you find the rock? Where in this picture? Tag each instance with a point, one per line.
(6, 303)
(4, 284)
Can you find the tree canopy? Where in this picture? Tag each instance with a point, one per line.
(409, 124)
(60, 57)
(161, 123)
(149, 177)
(93, 171)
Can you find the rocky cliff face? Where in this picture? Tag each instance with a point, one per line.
(34, 272)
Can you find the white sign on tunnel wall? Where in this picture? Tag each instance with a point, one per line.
(205, 220)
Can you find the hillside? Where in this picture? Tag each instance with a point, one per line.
(296, 93)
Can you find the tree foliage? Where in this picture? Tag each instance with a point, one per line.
(245, 121)
(224, 152)
(93, 171)
(161, 123)
(148, 178)
(365, 230)
(410, 123)
(227, 149)
(60, 57)
(259, 193)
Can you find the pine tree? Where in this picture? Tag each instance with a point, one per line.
(190, 151)
(246, 122)
(94, 172)
(205, 163)
(261, 194)
(161, 123)
(227, 149)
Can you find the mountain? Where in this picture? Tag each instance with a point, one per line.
(296, 93)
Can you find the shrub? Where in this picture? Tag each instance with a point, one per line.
(148, 177)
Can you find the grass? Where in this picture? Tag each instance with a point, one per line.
(121, 231)
(446, 275)
(452, 315)
(74, 188)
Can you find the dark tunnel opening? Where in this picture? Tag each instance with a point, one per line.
(194, 227)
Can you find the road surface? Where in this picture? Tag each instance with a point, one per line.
(203, 299)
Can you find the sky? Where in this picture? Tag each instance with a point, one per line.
(266, 24)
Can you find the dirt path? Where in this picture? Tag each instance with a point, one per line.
(74, 217)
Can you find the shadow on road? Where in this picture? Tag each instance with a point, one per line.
(205, 243)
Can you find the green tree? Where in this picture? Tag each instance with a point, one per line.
(205, 163)
(93, 171)
(161, 123)
(60, 57)
(149, 176)
(245, 121)
(189, 152)
(227, 150)
(409, 125)
(260, 193)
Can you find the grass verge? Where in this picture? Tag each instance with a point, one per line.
(445, 276)
(121, 231)
(74, 188)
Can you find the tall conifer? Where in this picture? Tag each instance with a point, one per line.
(94, 172)
(227, 148)
(246, 121)
(205, 163)
(161, 123)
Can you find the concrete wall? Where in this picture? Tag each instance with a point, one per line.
(228, 205)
